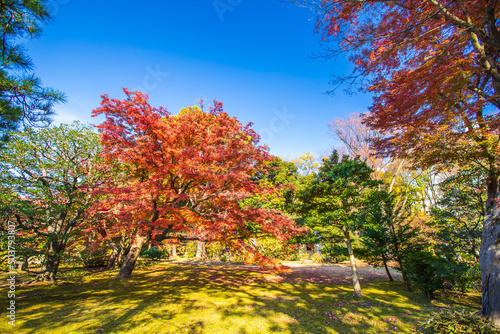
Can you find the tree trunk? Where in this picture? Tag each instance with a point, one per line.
(49, 269)
(113, 256)
(387, 268)
(397, 253)
(132, 256)
(355, 279)
(124, 249)
(403, 272)
(50, 265)
(200, 250)
(173, 251)
(489, 256)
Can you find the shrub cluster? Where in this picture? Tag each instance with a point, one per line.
(457, 321)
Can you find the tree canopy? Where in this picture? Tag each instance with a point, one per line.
(23, 99)
(47, 176)
(184, 172)
(332, 201)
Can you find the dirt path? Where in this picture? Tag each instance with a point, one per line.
(339, 273)
(335, 273)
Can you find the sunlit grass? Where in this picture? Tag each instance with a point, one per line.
(194, 298)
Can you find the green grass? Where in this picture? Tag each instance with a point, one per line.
(197, 298)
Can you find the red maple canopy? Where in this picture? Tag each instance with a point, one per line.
(185, 172)
(432, 66)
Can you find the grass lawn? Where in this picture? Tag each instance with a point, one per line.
(177, 297)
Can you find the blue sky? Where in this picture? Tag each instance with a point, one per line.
(254, 56)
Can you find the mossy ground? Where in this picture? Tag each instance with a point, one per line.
(176, 297)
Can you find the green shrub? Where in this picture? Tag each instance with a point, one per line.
(154, 253)
(189, 249)
(334, 252)
(457, 321)
(303, 257)
(215, 250)
(426, 271)
(276, 249)
(430, 272)
(317, 258)
(461, 276)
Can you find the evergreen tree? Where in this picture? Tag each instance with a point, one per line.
(23, 99)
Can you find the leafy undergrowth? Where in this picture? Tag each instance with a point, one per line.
(208, 298)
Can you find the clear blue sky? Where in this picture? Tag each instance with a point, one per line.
(253, 55)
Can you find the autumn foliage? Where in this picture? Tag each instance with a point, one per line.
(433, 67)
(183, 173)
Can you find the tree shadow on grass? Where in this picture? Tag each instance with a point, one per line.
(198, 298)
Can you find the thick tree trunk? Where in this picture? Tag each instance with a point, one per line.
(113, 257)
(387, 268)
(49, 269)
(132, 256)
(124, 249)
(125, 243)
(173, 251)
(50, 265)
(489, 256)
(200, 250)
(352, 259)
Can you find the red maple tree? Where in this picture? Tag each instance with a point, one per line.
(185, 172)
